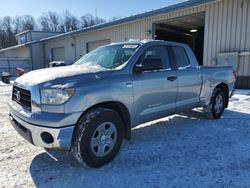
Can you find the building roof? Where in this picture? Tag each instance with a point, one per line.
(13, 47)
(171, 8)
(27, 43)
(185, 4)
(34, 31)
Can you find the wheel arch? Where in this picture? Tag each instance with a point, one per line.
(121, 109)
(225, 88)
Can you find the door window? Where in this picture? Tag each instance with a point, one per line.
(181, 57)
(155, 58)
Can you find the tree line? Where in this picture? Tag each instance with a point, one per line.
(49, 21)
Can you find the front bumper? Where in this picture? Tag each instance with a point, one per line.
(62, 137)
(232, 93)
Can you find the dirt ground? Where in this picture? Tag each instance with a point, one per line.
(184, 150)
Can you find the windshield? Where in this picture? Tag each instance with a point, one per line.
(109, 57)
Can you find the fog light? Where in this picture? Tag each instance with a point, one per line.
(47, 137)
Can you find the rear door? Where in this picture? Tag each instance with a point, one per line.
(189, 79)
(154, 94)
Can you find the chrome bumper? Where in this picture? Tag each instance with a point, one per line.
(33, 133)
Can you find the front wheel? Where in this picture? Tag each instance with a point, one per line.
(216, 106)
(98, 137)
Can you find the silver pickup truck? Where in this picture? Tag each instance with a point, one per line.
(91, 106)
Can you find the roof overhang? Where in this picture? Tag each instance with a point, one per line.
(14, 47)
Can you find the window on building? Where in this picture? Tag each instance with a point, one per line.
(23, 39)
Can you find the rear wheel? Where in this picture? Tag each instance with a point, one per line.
(98, 137)
(217, 103)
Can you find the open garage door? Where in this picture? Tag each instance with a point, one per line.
(186, 29)
(93, 45)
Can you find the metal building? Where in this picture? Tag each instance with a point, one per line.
(217, 30)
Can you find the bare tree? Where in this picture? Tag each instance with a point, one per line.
(98, 20)
(49, 21)
(1, 38)
(6, 23)
(115, 18)
(7, 34)
(44, 23)
(17, 24)
(9, 27)
(28, 22)
(89, 20)
(54, 21)
(68, 22)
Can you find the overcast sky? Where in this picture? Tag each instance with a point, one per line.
(104, 8)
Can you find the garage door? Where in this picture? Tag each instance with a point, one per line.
(93, 45)
(185, 29)
(58, 54)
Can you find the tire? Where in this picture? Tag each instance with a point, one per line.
(217, 104)
(97, 137)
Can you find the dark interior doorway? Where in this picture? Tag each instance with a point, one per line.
(187, 29)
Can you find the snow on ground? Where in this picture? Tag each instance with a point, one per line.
(185, 150)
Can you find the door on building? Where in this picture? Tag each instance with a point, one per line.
(186, 29)
(95, 44)
(58, 54)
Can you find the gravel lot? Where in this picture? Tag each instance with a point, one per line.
(185, 150)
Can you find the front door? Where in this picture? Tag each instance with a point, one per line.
(155, 89)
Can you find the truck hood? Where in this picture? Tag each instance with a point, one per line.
(61, 73)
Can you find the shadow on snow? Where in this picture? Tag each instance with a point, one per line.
(186, 149)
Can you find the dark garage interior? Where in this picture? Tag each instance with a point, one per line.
(187, 29)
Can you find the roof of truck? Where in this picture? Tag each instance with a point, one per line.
(163, 10)
(139, 42)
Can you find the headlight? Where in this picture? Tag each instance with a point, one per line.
(56, 96)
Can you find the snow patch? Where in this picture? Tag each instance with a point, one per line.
(183, 150)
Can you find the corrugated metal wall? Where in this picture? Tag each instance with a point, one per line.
(65, 42)
(118, 33)
(227, 29)
(16, 53)
(130, 30)
(136, 29)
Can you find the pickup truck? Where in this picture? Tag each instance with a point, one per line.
(88, 108)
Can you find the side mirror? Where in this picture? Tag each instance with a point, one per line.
(138, 68)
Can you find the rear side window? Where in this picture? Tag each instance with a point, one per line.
(156, 52)
(180, 57)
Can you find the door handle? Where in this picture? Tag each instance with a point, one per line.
(172, 78)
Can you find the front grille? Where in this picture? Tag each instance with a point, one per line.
(22, 97)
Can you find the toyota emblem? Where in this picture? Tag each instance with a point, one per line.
(18, 95)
